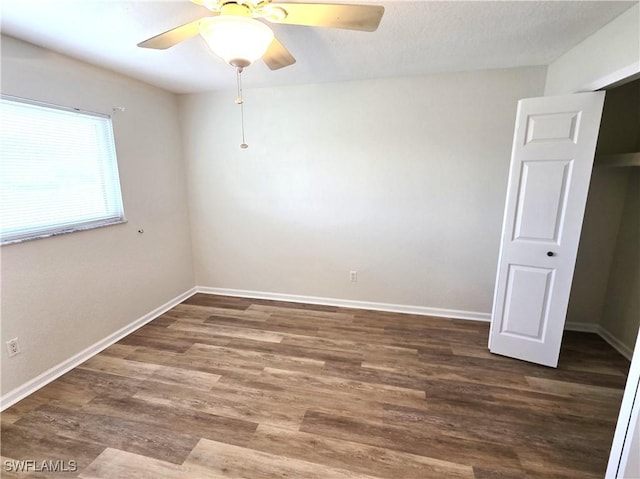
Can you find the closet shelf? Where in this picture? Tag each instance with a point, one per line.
(619, 159)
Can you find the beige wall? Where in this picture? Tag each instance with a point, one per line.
(602, 218)
(610, 54)
(61, 295)
(621, 314)
(402, 180)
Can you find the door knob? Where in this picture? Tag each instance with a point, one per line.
(550, 253)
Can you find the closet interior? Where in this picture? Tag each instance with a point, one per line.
(605, 295)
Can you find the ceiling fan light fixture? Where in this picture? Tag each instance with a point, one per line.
(239, 41)
(210, 4)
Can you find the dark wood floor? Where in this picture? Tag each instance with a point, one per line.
(239, 388)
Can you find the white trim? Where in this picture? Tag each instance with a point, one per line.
(615, 343)
(581, 327)
(612, 79)
(348, 303)
(627, 420)
(55, 372)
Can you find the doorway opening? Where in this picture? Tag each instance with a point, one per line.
(605, 294)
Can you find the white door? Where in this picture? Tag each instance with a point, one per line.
(551, 161)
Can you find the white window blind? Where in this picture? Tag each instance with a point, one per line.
(58, 170)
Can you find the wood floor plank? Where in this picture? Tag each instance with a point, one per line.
(227, 302)
(548, 463)
(550, 403)
(320, 316)
(254, 358)
(119, 367)
(163, 320)
(126, 434)
(167, 335)
(293, 326)
(153, 372)
(188, 312)
(38, 444)
(339, 343)
(564, 388)
(421, 441)
(319, 383)
(421, 370)
(497, 429)
(232, 461)
(195, 363)
(184, 377)
(229, 405)
(411, 321)
(295, 351)
(375, 337)
(360, 458)
(240, 387)
(116, 464)
(119, 350)
(181, 420)
(231, 331)
(525, 409)
(298, 306)
(75, 388)
(614, 376)
(248, 314)
(283, 397)
(346, 371)
(142, 338)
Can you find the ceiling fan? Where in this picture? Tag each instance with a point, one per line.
(235, 29)
(233, 32)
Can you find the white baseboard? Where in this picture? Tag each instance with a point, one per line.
(348, 303)
(581, 327)
(615, 343)
(55, 372)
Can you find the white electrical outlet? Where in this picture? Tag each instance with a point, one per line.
(13, 346)
(353, 275)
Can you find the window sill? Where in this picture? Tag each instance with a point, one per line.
(73, 229)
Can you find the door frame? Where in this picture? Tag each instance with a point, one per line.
(628, 419)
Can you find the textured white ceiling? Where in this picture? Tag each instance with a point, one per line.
(414, 38)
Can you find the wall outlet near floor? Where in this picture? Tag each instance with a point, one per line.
(353, 276)
(13, 346)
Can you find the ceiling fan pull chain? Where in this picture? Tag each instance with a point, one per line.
(240, 101)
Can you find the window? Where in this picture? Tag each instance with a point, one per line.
(58, 170)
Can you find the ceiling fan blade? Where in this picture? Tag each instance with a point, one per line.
(172, 37)
(365, 18)
(278, 56)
